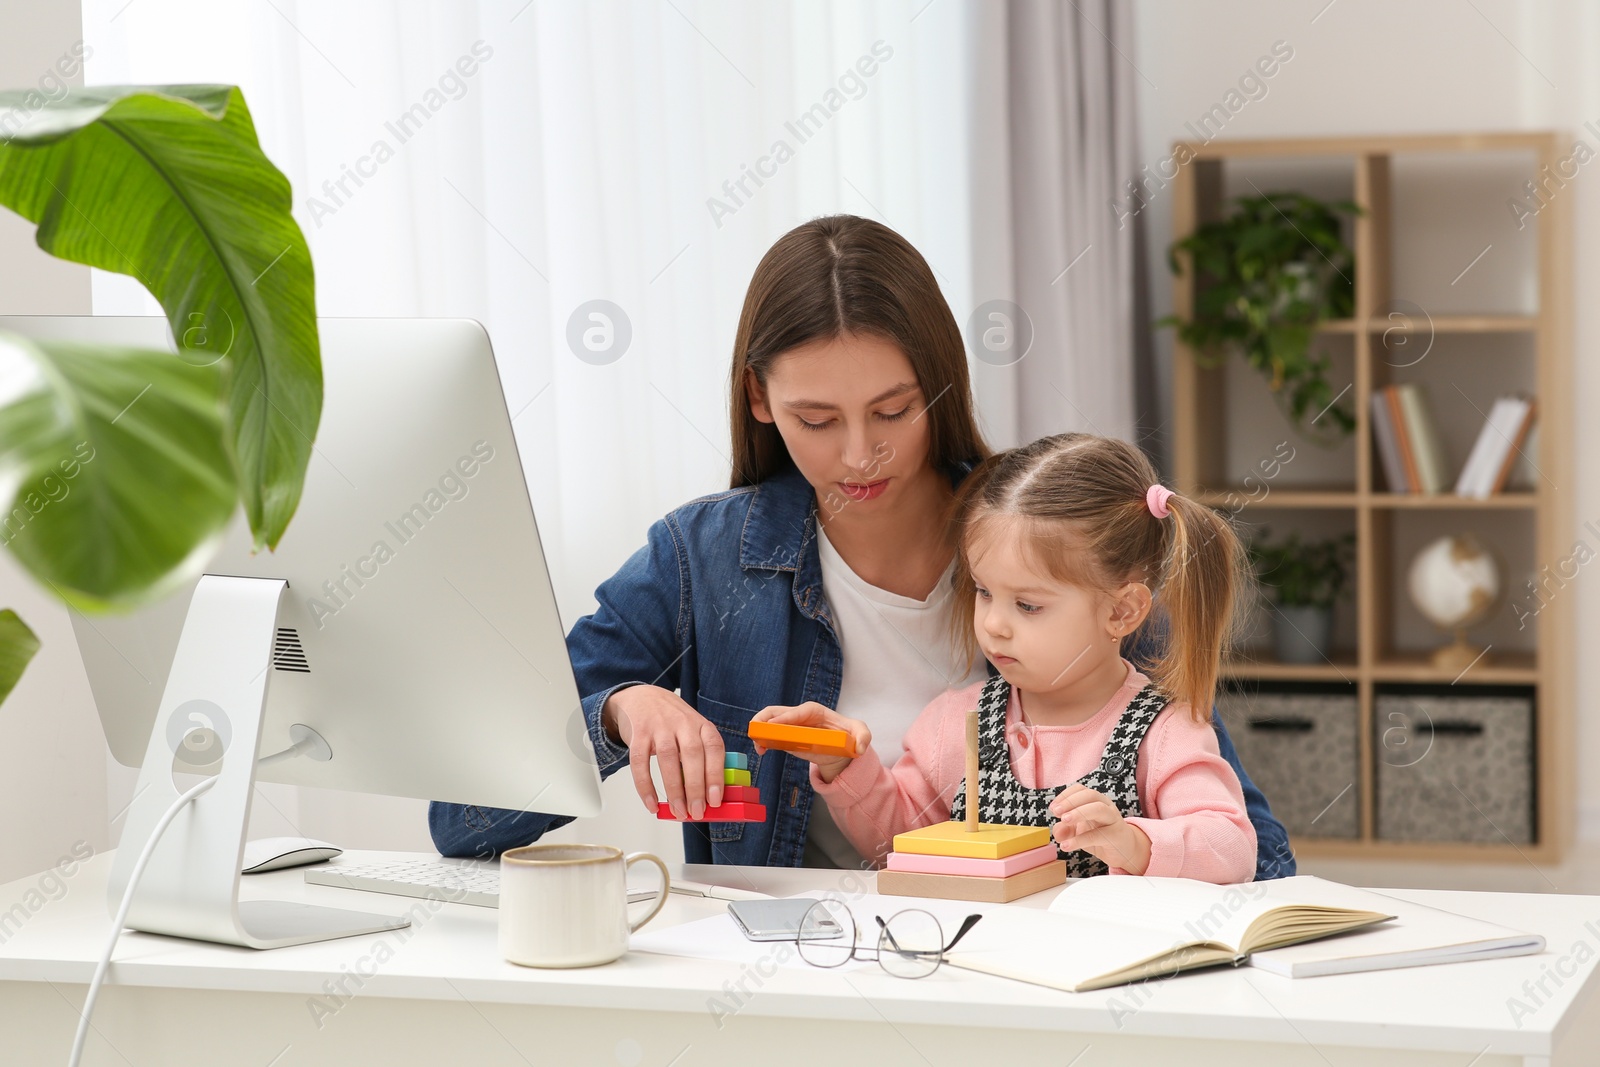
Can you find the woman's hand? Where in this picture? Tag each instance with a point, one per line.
(813, 714)
(653, 721)
(1091, 822)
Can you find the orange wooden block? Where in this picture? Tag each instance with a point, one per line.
(803, 739)
(968, 887)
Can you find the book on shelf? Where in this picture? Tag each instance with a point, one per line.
(1402, 438)
(1409, 445)
(1423, 433)
(1394, 471)
(1498, 445)
(1109, 931)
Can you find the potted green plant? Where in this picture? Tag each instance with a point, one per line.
(120, 467)
(1305, 579)
(1268, 273)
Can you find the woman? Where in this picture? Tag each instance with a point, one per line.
(821, 575)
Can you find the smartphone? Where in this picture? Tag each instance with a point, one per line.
(778, 920)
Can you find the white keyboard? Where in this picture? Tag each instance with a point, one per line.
(460, 883)
(463, 883)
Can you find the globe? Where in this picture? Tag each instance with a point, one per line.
(1454, 582)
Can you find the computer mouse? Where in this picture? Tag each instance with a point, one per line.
(276, 853)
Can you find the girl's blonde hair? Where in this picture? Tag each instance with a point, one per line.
(1079, 503)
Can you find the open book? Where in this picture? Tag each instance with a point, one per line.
(1113, 930)
(1109, 931)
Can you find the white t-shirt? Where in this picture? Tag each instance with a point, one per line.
(898, 656)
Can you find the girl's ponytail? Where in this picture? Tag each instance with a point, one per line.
(1201, 583)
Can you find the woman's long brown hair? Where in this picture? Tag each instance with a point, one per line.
(1080, 500)
(841, 274)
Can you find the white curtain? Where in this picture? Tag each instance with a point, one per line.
(1071, 83)
(598, 151)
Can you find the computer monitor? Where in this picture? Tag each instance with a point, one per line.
(406, 627)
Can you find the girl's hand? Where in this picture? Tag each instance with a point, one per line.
(813, 714)
(1091, 822)
(653, 721)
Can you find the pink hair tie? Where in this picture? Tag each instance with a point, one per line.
(1156, 500)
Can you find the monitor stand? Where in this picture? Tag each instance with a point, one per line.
(211, 712)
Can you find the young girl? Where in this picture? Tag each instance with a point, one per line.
(1063, 546)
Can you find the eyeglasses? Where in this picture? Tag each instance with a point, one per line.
(910, 943)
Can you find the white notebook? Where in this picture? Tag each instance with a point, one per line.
(1418, 935)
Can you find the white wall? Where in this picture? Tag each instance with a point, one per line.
(1424, 66)
(53, 786)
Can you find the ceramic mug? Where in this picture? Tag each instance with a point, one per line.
(567, 905)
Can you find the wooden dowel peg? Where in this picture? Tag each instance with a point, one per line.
(972, 772)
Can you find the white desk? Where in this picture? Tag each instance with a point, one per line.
(440, 994)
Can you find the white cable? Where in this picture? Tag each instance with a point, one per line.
(122, 914)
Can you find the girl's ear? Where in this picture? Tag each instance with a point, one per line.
(757, 397)
(1130, 606)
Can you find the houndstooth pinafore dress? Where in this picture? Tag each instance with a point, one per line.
(1003, 799)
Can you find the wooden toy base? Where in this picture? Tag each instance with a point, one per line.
(965, 887)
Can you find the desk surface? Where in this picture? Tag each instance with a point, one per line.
(452, 954)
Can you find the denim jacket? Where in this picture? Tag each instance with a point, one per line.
(733, 633)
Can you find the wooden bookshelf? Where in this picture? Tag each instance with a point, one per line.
(1202, 421)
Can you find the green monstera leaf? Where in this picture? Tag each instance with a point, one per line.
(113, 472)
(17, 646)
(168, 184)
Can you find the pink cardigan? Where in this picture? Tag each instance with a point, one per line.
(1195, 819)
